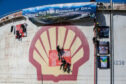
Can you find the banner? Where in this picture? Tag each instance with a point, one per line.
(60, 12)
(54, 58)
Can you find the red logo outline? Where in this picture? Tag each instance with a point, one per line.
(76, 65)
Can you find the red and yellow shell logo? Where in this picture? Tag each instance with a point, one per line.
(43, 54)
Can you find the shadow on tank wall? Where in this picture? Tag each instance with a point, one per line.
(85, 21)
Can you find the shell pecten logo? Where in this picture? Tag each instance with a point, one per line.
(43, 54)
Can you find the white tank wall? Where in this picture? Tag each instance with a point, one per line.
(14, 55)
(119, 30)
(15, 67)
(119, 21)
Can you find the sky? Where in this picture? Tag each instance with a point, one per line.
(8, 6)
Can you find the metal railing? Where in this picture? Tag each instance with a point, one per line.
(1, 16)
(10, 16)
